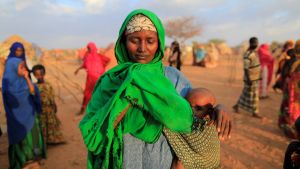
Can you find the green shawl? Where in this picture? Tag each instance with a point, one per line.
(153, 101)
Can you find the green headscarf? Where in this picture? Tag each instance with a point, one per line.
(153, 101)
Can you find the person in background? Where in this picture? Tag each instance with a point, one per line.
(94, 64)
(199, 54)
(289, 108)
(175, 57)
(21, 99)
(292, 153)
(249, 99)
(50, 123)
(283, 58)
(267, 64)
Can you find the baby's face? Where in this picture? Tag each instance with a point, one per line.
(200, 100)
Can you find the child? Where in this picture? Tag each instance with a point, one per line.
(50, 124)
(201, 148)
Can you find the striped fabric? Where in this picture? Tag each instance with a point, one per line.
(249, 100)
(252, 65)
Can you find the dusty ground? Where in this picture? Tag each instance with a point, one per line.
(254, 143)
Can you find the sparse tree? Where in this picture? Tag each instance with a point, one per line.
(216, 41)
(182, 28)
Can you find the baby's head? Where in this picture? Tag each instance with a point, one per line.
(39, 72)
(200, 98)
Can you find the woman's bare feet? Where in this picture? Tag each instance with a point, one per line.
(255, 115)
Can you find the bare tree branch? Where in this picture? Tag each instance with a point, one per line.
(182, 28)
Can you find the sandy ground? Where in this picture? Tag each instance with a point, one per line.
(254, 144)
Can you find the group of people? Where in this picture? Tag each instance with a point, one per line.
(32, 122)
(288, 81)
(30, 110)
(258, 73)
(131, 120)
(202, 56)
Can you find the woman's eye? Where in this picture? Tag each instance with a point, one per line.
(151, 41)
(134, 40)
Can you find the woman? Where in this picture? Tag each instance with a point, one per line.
(175, 57)
(266, 63)
(199, 54)
(249, 100)
(133, 101)
(283, 58)
(21, 102)
(94, 64)
(290, 106)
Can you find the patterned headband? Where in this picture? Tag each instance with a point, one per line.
(138, 23)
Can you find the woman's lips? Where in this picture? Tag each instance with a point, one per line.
(140, 57)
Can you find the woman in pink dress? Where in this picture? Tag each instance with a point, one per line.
(94, 64)
(267, 64)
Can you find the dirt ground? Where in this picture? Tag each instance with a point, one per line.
(255, 144)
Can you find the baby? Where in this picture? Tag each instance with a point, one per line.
(201, 148)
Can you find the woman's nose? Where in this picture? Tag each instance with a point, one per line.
(142, 47)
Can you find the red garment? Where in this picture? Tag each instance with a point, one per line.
(266, 59)
(294, 99)
(94, 64)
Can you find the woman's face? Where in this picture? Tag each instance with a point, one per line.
(142, 46)
(19, 52)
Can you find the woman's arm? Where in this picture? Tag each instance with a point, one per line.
(222, 118)
(29, 83)
(105, 60)
(77, 70)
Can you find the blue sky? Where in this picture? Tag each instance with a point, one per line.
(73, 23)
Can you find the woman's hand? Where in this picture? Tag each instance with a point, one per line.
(22, 71)
(25, 74)
(223, 121)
